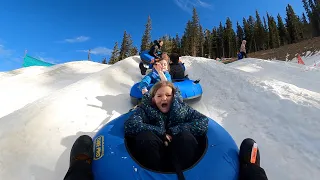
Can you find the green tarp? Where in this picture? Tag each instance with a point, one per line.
(31, 61)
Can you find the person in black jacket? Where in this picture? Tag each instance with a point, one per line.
(155, 50)
(176, 68)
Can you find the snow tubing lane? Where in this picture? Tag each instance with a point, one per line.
(189, 90)
(112, 160)
(145, 57)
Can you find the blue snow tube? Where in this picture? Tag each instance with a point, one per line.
(113, 161)
(190, 90)
(146, 57)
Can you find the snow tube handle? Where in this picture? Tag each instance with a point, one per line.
(196, 81)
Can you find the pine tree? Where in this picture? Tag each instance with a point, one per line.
(115, 54)
(316, 14)
(307, 29)
(201, 42)
(207, 44)
(220, 41)
(247, 34)
(312, 8)
(104, 61)
(300, 28)
(167, 44)
(292, 24)
(283, 33)
(186, 44)
(126, 46)
(259, 33)
(229, 37)
(146, 38)
(176, 45)
(129, 46)
(266, 33)
(134, 51)
(240, 36)
(274, 41)
(252, 43)
(195, 33)
(215, 46)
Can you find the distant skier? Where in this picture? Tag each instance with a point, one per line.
(243, 50)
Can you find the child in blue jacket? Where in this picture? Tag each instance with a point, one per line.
(159, 73)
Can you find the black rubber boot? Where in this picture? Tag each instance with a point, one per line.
(82, 150)
(142, 69)
(249, 153)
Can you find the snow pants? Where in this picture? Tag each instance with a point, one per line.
(244, 55)
(180, 154)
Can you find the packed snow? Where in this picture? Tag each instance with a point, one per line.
(309, 58)
(43, 111)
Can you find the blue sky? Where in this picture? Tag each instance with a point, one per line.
(60, 31)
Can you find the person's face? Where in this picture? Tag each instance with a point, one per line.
(161, 43)
(163, 98)
(163, 65)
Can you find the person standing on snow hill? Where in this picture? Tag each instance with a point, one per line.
(159, 73)
(243, 50)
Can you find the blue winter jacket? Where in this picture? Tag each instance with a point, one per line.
(181, 117)
(152, 78)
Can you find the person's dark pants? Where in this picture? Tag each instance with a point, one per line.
(79, 171)
(244, 55)
(153, 55)
(152, 152)
(184, 150)
(252, 172)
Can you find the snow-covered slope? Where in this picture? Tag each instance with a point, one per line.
(309, 58)
(273, 103)
(30, 84)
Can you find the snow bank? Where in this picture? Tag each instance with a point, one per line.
(26, 85)
(309, 58)
(279, 111)
(292, 73)
(275, 103)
